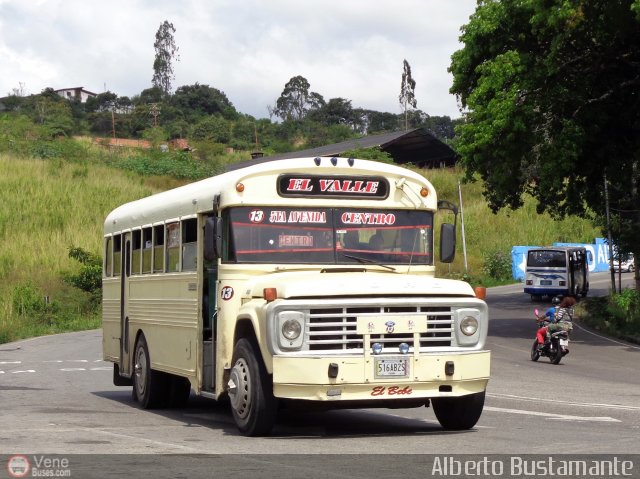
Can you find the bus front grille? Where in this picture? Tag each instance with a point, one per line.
(334, 329)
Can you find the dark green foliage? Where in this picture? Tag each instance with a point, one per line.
(178, 164)
(89, 278)
(617, 314)
(551, 92)
(296, 100)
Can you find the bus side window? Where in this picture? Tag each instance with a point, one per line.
(108, 257)
(189, 244)
(158, 249)
(146, 250)
(117, 255)
(136, 255)
(173, 247)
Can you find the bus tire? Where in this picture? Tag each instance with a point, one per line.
(253, 405)
(149, 387)
(458, 413)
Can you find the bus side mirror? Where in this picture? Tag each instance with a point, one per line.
(447, 242)
(212, 238)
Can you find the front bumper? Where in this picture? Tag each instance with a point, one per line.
(307, 378)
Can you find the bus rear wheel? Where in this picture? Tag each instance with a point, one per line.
(253, 405)
(149, 386)
(458, 413)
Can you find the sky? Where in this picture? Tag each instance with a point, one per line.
(248, 49)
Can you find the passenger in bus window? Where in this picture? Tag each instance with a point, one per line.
(376, 242)
(351, 240)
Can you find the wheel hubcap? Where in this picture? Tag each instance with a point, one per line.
(239, 388)
(140, 372)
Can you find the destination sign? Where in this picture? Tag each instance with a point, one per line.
(333, 186)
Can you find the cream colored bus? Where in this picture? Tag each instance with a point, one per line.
(308, 280)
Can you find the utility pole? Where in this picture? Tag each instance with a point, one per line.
(606, 204)
(464, 243)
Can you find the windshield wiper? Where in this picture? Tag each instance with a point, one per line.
(367, 260)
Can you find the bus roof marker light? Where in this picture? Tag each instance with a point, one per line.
(350, 161)
(424, 192)
(316, 160)
(239, 187)
(334, 161)
(269, 294)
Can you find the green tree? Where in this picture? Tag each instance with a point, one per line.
(407, 95)
(550, 89)
(198, 100)
(166, 53)
(296, 100)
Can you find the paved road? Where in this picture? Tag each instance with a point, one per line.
(57, 397)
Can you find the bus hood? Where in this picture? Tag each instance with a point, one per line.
(305, 284)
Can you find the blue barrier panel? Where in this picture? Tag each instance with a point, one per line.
(598, 259)
(519, 261)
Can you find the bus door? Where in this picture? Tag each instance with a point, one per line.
(210, 306)
(125, 362)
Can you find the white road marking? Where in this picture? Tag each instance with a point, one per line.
(569, 403)
(101, 369)
(606, 338)
(10, 362)
(24, 371)
(549, 415)
(73, 369)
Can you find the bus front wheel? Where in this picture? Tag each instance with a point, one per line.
(253, 405)
(458, 413)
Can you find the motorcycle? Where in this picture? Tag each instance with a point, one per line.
(556, 344)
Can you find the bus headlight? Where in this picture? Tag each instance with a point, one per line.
(469, 325)
(290, 329)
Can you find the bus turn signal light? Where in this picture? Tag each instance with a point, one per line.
(269, 294)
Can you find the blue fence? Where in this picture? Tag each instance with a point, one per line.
(599, 257)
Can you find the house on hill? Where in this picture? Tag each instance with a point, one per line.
(417, 146)
(75, 93)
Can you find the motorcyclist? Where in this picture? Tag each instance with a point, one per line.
(562, 320)
(545, 319)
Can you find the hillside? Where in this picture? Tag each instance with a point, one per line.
(50, 205)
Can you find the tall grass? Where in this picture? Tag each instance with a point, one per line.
(47, 206)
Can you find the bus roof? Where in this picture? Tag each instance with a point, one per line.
(198, 197)
(557, 248)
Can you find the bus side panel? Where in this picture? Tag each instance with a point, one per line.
(111, 319)
(165, 309)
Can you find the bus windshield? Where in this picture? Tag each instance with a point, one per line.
(282, 235)
(547, 258)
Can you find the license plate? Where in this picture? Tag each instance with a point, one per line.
(545, 282)
(395, 368)
(564, 342)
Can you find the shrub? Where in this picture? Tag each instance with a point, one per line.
(89, 278)
(497, 265)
